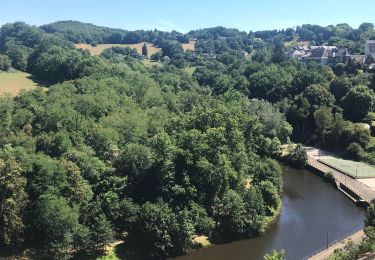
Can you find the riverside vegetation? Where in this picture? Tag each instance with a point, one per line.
(152, 155)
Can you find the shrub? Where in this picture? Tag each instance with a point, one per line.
(297, 157)
(354, 150)
(328, 176)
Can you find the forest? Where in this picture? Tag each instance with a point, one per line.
(154, 156)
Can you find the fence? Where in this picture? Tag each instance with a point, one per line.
(332, 244)
(323, 168)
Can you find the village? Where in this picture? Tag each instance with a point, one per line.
(333, 55)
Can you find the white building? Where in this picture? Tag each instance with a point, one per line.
(370, 48)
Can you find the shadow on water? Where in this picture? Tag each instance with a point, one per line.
(311, 209)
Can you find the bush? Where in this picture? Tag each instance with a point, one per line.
(328, 176)
(297, 157)
(354, 150)
(5, 62)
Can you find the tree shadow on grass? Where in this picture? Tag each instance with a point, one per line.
(128, 251)
(39, 82)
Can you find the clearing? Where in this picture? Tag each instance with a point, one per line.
(296, 43)
(12, 82)
(101, 47)
(151, 63)
(189, 46)
(190, 70)
(352, 168)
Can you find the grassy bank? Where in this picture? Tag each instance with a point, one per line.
(269, 220)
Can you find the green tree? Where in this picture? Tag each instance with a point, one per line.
(145, 50)
(323, 121)
(13, 199)
(358, 102)
(354, 150)
(78, 190)
(339, 87)
(270, 195)
(159, 233)
(230, 216)
(278, 52)
(96, 231)
(5, 63)
(318, 96)
(271, 83)
(275, 255)
(297, 156)
(370, 215)
(56, 223)
(269, 170)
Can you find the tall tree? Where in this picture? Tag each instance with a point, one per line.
(358, 102)
(145, 50)
(13, 199)
(323, 120)
(278, 54)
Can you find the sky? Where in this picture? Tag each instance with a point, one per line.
(184, 16)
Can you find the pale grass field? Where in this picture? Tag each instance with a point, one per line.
(151, 63)
(296, 43)
(190, 70)
(189, 46)
(355, 169)
(13, 82)
(101, 47)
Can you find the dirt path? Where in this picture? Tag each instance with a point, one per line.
(356, 238)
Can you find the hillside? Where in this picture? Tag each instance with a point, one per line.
(13, 82)
(157, 156)
(99, 48)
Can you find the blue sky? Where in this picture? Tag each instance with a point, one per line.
(193, 14)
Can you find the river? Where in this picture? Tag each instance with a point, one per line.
(311, 209)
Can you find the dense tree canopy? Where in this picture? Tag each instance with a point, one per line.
(155, 155)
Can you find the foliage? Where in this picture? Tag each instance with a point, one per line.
(117, 147)
(297, 156)
(275, 255)
(160, 232)
(5, 63)
(144, 50)
(354, 150)
(13, 199)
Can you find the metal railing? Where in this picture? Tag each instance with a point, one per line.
(323, 168)
(332, 244)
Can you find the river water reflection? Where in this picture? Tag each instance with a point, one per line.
(311, 209)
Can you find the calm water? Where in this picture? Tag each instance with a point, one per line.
(311, 208)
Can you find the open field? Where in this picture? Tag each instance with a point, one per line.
(354, 169)
(190, 70)
(296, 43)
(13, 82)
(189, 46)
(151, 63)
(101, 47)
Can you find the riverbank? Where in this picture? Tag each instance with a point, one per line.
(270, 220)
(201, 241)
(309, 206)
(355, 238)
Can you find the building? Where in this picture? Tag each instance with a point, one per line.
(324, 55)
(370, 48)
(360, 59)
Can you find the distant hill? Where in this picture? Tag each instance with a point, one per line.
(79, 32)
